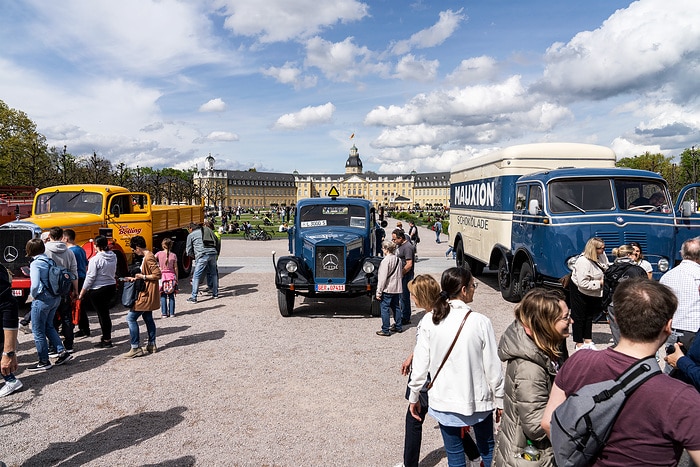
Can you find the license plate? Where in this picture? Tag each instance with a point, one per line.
(16, 292)
(330, 287)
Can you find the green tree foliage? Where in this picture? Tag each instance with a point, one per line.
(24, 157)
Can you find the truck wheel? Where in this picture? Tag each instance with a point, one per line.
(184, 262)
(374, 308)
(526, 280)
(285, 300)
(504, 281)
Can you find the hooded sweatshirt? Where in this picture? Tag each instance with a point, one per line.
(101, 271)
(62, 256)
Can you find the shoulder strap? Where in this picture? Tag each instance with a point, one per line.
(641, 371)
(432, 381)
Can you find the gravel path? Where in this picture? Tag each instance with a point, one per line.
(233, 382)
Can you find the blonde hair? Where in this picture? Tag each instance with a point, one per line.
(539, 311)
(389, 246)
(425, 290)
(590, 250)
(623, 251)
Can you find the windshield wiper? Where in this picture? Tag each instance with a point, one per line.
(76, 195)
(570, 203)
(50, 197)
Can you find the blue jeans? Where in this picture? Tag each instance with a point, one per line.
(167, 304)
(454, 446)
(406, 297)
(201, 265)
(131, 318)
(390, 301)
(43, 312)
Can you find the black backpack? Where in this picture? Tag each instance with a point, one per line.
(616, 273)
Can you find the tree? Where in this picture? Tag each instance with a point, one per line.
(24, 157)
(96, 170)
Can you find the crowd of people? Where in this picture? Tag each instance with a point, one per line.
(152, 282)
(492, 399)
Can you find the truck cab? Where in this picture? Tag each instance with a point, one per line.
(331, 248)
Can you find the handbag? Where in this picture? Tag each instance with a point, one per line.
(449, 350)
(131, 290)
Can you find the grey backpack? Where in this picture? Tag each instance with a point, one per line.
(581, 425)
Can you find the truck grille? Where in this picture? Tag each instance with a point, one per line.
(12, 247)
(330, 262)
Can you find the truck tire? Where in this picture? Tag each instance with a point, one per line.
(526, 280)
(475, 266)
(184, 262)
(285, 301)
(374, 308)
(505, 282)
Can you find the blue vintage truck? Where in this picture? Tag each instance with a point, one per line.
(528, 210)
(332, 245)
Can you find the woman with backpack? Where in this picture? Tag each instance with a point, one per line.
(43, 307)
(100, 287)
(530, 347)
(624, 267)
(148, 299)
(167, 261)
(466, 391)
(586, 291)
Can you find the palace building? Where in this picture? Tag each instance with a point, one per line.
(262, 190)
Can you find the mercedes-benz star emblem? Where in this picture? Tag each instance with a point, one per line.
(330, 262)
(10, 254)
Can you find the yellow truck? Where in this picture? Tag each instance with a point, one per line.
(92, 210)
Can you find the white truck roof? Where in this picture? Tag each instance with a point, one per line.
(528, 158)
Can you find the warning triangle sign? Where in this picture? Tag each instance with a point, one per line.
(333, 192)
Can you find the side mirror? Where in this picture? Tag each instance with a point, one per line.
(116, 211)
(534, 207)
(686, 209)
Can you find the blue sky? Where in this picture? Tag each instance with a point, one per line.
(281, 85)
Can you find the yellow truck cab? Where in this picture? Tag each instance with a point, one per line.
(92, 210)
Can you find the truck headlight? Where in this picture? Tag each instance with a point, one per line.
(663, 265)
(291, 266)
(368, 267)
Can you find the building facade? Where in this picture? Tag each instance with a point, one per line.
(262, 190)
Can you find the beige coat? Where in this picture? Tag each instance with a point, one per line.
(149, 298)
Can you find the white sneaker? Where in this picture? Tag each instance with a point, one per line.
(589, 345)
(10, 387)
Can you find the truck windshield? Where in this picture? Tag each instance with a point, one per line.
(68, 201)
(320, 215)
(642, 195)
(581, 195)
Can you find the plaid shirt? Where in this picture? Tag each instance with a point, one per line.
(684, 280)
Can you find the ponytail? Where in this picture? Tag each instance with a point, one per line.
(452, 282)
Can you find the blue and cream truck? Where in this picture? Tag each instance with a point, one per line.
(527, 212)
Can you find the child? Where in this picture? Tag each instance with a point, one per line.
(167, 261)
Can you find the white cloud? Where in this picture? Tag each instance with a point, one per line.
(625, 148)
(217, 136)
(632, 50)
(306, 117)
(473, 70)
(290, 74)
(410, 68)
(432, 36)
(138, 37)
(342, 61)
(214, 105)
(282, 20)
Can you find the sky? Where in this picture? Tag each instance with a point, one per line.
(283, 85)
